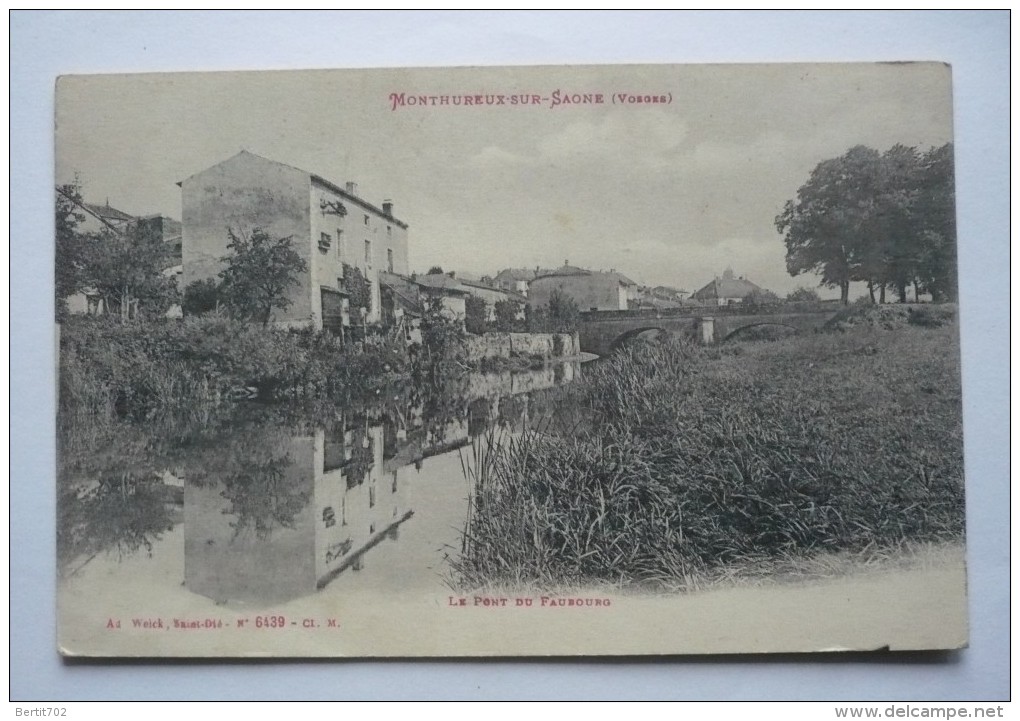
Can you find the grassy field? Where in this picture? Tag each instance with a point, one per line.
(670, 464)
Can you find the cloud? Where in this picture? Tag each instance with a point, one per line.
(493, 156)
(631, 138)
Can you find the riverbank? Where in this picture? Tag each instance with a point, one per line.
(670, 464)
(135, 370)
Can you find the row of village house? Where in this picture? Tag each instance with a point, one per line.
(331, 226)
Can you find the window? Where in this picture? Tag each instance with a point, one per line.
(324, 241)
(368, 253)
(389, 259)
(389, 231)
(366, 220)
(339, 244)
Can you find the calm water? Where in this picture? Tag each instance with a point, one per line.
(272, 507)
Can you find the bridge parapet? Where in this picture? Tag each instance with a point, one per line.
(603, 333)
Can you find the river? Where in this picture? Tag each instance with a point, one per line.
(271, 507)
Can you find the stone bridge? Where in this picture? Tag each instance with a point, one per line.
(602, 333)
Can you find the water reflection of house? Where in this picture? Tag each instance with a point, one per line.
(287, 515)
(358, 502)
(328, 506)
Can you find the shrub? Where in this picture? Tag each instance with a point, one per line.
(506, 312)
(931, 316)
(474, 315)
(560, 315)
(200, 297)
(803, 294)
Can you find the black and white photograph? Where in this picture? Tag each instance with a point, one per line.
(593, 360)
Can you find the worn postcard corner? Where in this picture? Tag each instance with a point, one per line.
(595, 360)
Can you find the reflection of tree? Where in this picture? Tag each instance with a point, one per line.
(511, 411)
(443, 402)
(120, 513)
(479, 411)
(260, 496)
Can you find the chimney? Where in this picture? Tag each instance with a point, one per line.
(387, 208)
(352, 188)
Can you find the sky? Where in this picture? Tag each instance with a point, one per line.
(669, 193)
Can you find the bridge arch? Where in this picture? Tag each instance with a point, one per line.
(624, 338)
(763, 324)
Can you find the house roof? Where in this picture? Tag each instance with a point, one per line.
(106, 212)
(315, 179)
(512, 295)
(726, 288)
(621, 277)
(516, 274)
(353, 198)
(441, 281)
(563, 270)
(669, 290)
(571, 270)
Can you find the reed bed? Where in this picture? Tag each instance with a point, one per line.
(672, 466)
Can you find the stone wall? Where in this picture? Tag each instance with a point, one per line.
(529, 344)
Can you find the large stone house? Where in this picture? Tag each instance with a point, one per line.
(329, 226)
(728, 290)
(515, 280)
(590, 289)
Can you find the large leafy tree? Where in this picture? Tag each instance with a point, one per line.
(881, 218)
(936, 207)
(259, 274)
(897, 230)
(826, 227)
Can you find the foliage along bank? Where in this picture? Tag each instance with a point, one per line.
(136, 369)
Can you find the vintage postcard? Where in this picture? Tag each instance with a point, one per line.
(511, 361)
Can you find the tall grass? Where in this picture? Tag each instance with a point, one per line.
(670, 463)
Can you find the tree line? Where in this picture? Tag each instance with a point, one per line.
(883, 218)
